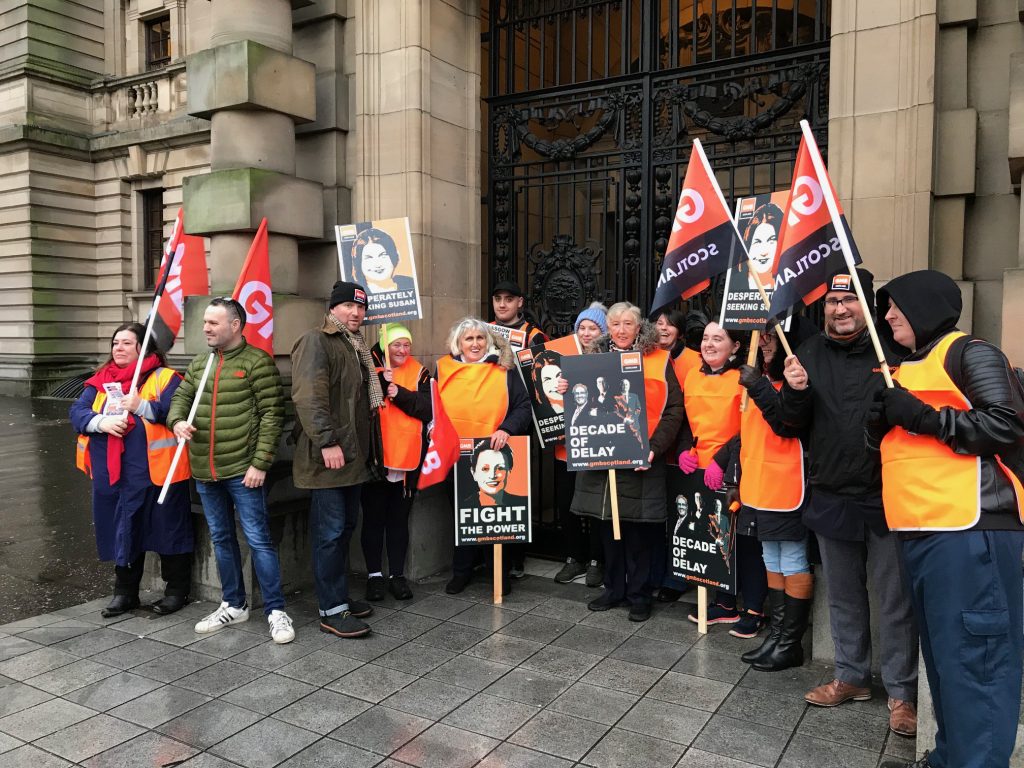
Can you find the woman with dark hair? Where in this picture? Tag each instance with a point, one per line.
(761, 236)
(374, 260)
(125, 448)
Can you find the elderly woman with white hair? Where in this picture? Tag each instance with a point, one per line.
(641, 493)
(483, 397)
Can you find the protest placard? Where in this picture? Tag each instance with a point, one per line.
(702, 536)
(606, 412)
(515, 338)
(378, 256)
(492, 492)
(541, 367)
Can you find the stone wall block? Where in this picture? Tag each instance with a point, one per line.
(958, 13)
(878, 58)
(236, 200)
(947, 242)
(1015, 151)
(956, 140)
(1012, 341)
(991, 239)
(951, 68)
(248, 75)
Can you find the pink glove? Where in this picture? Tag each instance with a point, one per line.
(713, 476)
(688, 461)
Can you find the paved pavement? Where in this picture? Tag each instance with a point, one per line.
(442, 682)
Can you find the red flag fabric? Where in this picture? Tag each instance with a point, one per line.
(703, 242)
(808, 249)
(253, 292)
(182, 273)
(443, 448)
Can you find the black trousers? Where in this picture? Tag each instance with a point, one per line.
(386, 523)
(751, 576)
(176, 570)
(627, 562)
(582, 535)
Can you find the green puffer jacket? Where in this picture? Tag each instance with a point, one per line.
(240, 424)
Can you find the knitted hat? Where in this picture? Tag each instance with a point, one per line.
(393, 332)
(596, 314)
(343, 292)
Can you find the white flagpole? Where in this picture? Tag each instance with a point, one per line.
(844, 242)
(191, 418)
(145, 343)
(750, 267)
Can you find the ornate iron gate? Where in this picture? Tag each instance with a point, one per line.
(593, 106)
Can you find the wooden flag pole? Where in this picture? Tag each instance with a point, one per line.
(614, 493)
(191, 418)
(385, 345)
(497, 574)
(844, 243)
(751, 360)
(767, 305)
(702, 610)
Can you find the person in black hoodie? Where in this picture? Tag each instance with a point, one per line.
(831, 383)
(951, 436)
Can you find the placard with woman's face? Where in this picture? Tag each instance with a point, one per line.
(378, 256)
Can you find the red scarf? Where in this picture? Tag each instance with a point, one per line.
(109, 374)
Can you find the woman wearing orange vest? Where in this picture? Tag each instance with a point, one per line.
(641, 493)
(482, 397)
(769, 458)
(125, 448)
(386, 503)
(712, 393)
(952, 447)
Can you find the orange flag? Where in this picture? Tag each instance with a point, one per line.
(253, 292)
(443, 448)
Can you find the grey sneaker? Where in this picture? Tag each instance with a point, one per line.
(595, 574)
(571, 571)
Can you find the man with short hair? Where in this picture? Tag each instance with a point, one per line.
(335, 387)
(232, 444)
(830, 385)
(507, 303)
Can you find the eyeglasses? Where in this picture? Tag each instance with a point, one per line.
(846, 301)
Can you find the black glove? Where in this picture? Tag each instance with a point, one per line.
(749, 376)
(876, 426)
(903, 409)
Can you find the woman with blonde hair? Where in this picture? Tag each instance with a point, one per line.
(483, 397)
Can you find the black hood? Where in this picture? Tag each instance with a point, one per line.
(930, 300)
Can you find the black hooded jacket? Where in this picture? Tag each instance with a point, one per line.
(931, 303)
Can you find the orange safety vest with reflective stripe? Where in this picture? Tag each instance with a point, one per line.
(925, 485)
(773, 466)
(655, 387)
(160, 441)
(402, 434)
(475, 395)
(685, 362)
(713, 409)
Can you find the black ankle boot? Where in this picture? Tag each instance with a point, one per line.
(776, 610)
(788, 652)
(120, 604)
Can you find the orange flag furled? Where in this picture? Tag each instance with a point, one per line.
(253, 292)
(809, 249)
(704, 241)
(443, 448)
(182, 273)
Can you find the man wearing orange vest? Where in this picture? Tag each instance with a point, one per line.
(952, 445)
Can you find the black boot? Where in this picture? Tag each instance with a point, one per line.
(788, 652)
(776, 610)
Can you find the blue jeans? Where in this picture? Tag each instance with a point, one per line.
(786, 557)
(333, 514)
(221, 500)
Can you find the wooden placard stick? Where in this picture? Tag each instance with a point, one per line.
(497, 574)
(702, 610)
(613, 491)
(751, 360)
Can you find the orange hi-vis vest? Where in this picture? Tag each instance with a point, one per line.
(713, 409)
(475, 395)
(160, 441)
(402, 434)
(655, 387)
(925, 485)
(773, 466)
(685, 362)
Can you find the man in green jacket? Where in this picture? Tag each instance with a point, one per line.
(335, 388)
(232, 444)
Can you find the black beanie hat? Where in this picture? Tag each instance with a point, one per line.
(839, 280)
(343, 292)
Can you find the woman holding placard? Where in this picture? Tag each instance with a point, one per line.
(125, 448)
(483, 397)
(641, 492)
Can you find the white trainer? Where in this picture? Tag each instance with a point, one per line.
(281, 627)
(221, 618)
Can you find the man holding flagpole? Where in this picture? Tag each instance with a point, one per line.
(232, 444)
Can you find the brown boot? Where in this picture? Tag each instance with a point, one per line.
(835, 693)
(902, 717)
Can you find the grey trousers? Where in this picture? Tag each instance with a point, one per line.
(846, 565)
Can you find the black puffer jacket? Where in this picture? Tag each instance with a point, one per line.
(641, 494)
(931, 303)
